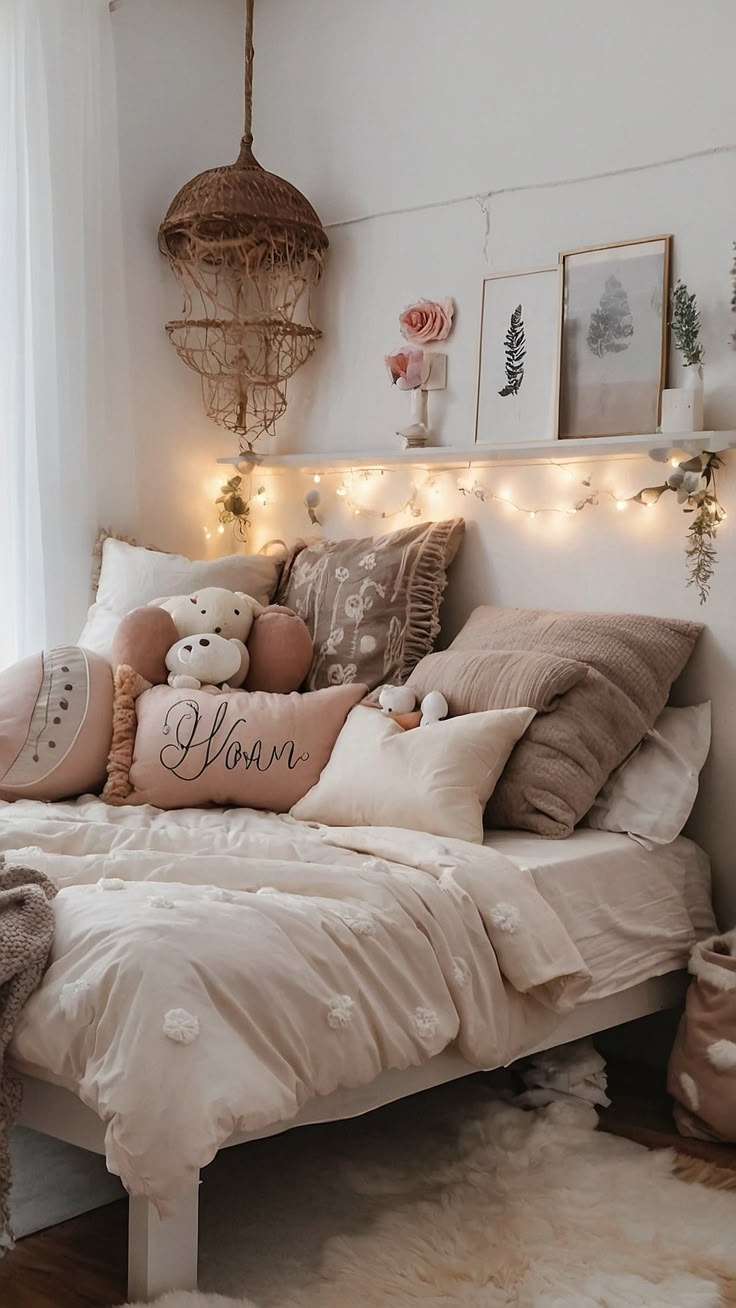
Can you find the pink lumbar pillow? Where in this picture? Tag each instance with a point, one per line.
(184, 749)
(55, 724)
(280, 649)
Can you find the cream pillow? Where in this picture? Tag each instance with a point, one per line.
(436, 778)
(131, 576)
(652, 794)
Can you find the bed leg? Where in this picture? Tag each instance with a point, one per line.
(162, 1255)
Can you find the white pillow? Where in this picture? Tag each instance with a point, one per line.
(651, 795)
(131, 576)
(436, 778)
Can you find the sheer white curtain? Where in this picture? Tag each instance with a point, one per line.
(62, 356)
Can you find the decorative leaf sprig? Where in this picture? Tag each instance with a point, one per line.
(515, 347)
(685, 324)
(235, 507)
(694, 483)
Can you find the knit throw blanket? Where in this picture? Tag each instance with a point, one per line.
(26, 936)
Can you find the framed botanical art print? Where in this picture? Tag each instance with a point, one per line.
(613, 338)
(517, 366)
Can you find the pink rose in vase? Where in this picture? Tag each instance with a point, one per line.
(427, 320)
(408, 368)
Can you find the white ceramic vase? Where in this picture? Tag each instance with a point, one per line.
(682, 406)
(417, 433)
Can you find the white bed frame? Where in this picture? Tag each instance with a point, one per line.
(162, 1255)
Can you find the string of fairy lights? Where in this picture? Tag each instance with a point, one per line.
(467, 485)
(355, 485)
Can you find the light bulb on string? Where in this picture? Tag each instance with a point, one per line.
(316, 479)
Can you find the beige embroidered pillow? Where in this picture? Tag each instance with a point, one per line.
(436, 778)
(372, 605)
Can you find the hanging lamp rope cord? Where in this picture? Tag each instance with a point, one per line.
(249, 7)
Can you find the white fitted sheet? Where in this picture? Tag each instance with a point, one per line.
(634, 913)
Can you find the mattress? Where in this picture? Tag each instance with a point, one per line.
(633, 913)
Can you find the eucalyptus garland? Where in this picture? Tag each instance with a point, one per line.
(694, 483)
(235, 507)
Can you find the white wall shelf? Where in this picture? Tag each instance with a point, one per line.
(448, 456)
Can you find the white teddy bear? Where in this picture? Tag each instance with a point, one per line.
(204, 663)
(223, 615)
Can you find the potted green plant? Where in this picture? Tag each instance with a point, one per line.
(682, 407)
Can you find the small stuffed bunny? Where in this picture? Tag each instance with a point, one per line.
(434, 708)
(399, 702)
(208, 663)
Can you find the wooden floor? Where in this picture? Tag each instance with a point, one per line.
(81, 1264)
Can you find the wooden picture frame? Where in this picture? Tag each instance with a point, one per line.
(517, 357)
(612, 340)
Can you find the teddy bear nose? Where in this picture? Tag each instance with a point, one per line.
(203, 641)
(218, 630)
(188, 648)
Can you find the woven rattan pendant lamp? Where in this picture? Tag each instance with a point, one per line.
(247, 248)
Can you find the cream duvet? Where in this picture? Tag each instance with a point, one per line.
(214, 970)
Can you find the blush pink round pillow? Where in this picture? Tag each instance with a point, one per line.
(142, 642)
(280, 649)
(55, 725)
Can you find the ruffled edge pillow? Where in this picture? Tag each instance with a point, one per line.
(371, 605)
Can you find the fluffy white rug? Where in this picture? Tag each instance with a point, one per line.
(467, 1204)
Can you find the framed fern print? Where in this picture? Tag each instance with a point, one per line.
(518, 357)
(613, 338)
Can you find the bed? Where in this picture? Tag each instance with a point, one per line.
(428, 959)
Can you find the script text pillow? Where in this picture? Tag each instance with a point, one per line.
(187, 748)
(652, 794)
(131, 576)
(435, 778)
(55, 725)
(556, 771)
(372, 606)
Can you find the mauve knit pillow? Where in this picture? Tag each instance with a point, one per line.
(567, 755)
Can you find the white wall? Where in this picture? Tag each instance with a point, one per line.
(370, 107)
(179, 65)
